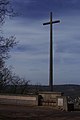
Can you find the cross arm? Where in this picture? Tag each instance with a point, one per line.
(57, 21)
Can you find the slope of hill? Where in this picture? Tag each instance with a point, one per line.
(68, 90)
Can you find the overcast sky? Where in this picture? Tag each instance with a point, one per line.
(30, 58)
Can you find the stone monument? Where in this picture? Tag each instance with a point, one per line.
(51, 98)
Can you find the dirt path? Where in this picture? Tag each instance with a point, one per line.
(35, 113)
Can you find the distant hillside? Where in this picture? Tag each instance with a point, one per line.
(68, 90)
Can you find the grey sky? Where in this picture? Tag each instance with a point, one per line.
(31, 56)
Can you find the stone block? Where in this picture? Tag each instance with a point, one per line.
(28, 100)
(62, 103)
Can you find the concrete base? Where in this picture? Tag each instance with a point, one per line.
(55, 99)
(49, 98)
(27, 100)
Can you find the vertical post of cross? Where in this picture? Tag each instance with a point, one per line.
(51, 51)
(51, 56)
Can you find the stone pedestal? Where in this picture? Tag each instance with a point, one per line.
(49, 98)
(55, 99)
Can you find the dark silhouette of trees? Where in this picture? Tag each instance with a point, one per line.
(7, 78)
(5, 10)
(20, 85)
(5, 44)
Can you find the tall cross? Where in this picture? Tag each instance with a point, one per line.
(51, 52)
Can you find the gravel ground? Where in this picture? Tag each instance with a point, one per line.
(8, 112)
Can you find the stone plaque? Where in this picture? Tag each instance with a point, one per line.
(60, 101)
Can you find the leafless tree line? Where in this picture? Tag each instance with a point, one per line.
(7, 78)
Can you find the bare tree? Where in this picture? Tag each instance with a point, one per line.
(6, 75)
(20, 84)
(5, 78)
(5, 10)
(5, 44)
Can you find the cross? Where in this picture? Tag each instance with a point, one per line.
(51, 51)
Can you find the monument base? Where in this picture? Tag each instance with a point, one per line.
(55, 99)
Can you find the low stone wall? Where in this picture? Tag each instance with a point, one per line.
(49, 98)
(28, 100)
(54, 99)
